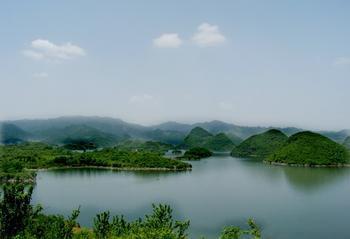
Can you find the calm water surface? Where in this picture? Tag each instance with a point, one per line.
(288, 203)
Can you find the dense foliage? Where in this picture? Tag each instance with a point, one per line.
(199, 137)
(14, 159)
(127, 159)
(309, 148)
(79, 144)
(197, 153)
(20, 220)
(260, 146)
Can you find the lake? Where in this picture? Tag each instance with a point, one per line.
(287, 202)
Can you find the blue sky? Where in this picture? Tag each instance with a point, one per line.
(246, 62)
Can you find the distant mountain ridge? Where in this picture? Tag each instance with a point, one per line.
(50, 128)
(73, 133)
(168, 132)
(244, 132)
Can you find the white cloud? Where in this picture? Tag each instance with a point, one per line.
(136, 99)
(208, 35)
(225, 106)
(44, 49)
(33, 54)
(168, 40)
(342, 61)
(41, 75)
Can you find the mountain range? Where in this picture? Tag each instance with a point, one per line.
(107, 131)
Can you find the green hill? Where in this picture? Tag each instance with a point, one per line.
(311, 149)
(261, 145)
(347, 142)
(235, 139)
(199, 137)
(12, 134)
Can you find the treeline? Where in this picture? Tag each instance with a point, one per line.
(21, 220)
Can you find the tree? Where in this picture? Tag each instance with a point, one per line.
(20, 220)
(15, 209)
(233, 232)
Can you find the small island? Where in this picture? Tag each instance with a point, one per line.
(20, 161)
(197, 153)
(311, 150)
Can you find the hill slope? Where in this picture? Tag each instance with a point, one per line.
(220, 142)
(311, 149)
(347, 142)
(12, 134)
(74, 133)
(261, 145)
(199, 137)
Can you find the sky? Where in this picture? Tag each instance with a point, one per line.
(249, 62)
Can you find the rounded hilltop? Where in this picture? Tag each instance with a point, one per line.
(199, 137)
(308, 149)
(261, 145)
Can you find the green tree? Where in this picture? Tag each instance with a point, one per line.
(15, 209)
(233, 232)
(102, 226)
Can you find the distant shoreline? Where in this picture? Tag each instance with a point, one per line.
(114, 168)
(308, 165)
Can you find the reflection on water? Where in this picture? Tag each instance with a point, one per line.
(96, 172)
(287, 202)
(307, 180)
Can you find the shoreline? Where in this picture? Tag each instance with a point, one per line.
(114, 168)
(308, 165)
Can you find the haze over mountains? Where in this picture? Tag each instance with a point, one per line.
(106, 131)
